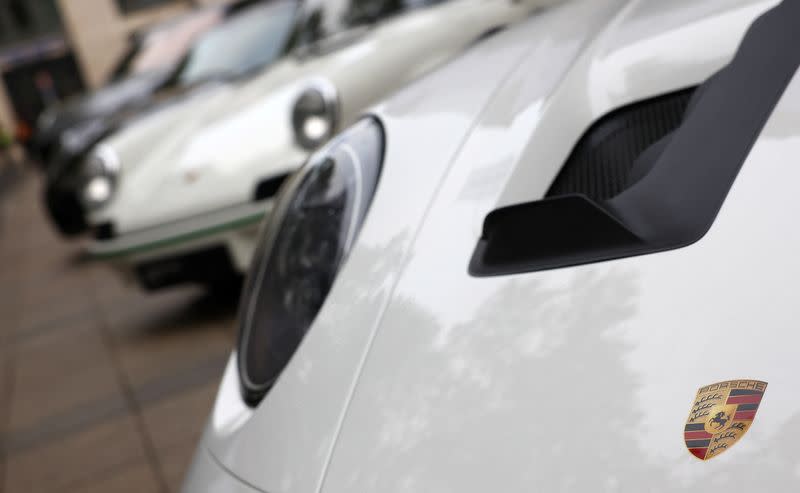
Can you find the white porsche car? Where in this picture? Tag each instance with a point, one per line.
(572, 274)
(177, 197)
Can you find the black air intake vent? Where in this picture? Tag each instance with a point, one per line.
(671, 194)
(269, 187)
(600, 165)
(104, 231)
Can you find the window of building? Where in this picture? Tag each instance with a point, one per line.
(22, 20)
(127, 6)
(20, 14)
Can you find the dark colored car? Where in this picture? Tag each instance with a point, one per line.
(253, 35)
(152, 56)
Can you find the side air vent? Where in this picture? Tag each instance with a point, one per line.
(600, 164)
(670, 196)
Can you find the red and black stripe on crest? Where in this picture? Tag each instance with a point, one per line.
(698, 439)
(747, 400)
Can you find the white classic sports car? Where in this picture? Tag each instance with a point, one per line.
(178, 196)
(574, 273)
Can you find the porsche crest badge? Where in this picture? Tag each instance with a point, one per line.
(721, 415)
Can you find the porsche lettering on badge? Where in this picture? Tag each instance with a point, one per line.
(721, 415)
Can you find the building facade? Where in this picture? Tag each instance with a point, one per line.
(51, 49)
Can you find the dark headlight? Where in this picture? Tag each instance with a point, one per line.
(314, 116)
(316, 219)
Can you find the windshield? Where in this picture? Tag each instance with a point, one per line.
(165, 46)
(247, 41)
(327, 18)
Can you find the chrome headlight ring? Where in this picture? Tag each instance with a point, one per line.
(315, 114)
(101, 174)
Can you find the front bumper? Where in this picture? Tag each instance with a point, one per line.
(203, 249)
(206, 475)
(62, 188)
(65, 208)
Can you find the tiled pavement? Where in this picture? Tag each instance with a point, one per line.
(102, 387)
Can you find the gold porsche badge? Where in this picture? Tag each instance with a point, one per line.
(721, 415)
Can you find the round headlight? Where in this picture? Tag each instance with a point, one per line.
(100, 171)
(316, 219)
(314, 116)
(98, 190)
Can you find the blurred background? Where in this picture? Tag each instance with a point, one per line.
(102, 387)
(53, 49)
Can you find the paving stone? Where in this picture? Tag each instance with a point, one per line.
(137, 478)
(58, 373)
(176, 427)
(76, 460)
(175, 463)
(157, 339)
(98, 379)
(178, 421)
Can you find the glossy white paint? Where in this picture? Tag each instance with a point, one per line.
(206, 474)
(417, 377)
(581, 379)
(209, 154)
(299, 418)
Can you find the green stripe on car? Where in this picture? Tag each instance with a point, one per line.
(182, 238)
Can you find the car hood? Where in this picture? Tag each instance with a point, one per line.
(102, 103)
(210, 154)
(417, 376)
(583, 378)
(185, 146)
